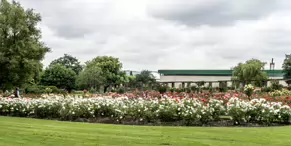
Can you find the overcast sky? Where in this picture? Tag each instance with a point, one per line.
(167, 34)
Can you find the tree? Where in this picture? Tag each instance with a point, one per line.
(91, 77)
(131, 82)
(252, 71)
(21, 50)
(111, 70)
(287, 69)
(145, 78)
(59, 76)
(69, 62)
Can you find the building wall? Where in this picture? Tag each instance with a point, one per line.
(194, 79)
(203, 78)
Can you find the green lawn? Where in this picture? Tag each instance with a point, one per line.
(29, 132)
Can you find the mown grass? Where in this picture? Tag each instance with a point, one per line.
(31, 132)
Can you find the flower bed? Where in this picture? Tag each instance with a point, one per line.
(185, 111)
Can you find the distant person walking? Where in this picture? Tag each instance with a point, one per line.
(16, 93)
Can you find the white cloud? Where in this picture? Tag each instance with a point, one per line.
(145, 34)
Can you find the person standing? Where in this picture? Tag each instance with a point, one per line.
(16, 93)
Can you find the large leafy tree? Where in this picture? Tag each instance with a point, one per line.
(252, 71)
(131, 81)
(59, 76)
(69, 62)
(111, 70)
(21, 50)
(287, 69)
(91, 78)
(145, 78)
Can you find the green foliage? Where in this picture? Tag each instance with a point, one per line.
(121, 90)
(188, 90)
(48, 90)
(35, 89)
(69, 61)
(54, 89)
(131, 82)
(194, 88)
(113, 90)
(111, 70)
(287, 68)
(90, 77)
(162, 88)
(275, 85)
(93, 91)
(267, 89)
(251, 70)
(222, 86)
(21, 50)
(172, 90)
(249, 89)
(59, 76)
(202, 83)
(145, 78)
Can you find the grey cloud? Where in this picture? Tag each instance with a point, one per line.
(212, 12)
(88, 28)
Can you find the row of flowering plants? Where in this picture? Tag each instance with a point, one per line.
(188, 110)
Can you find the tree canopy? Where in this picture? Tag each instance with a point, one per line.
(287, 69)
(69, 61)
(21, 50)
(59, 76)
(111, 70)
(91, 77)
(250, 71)
(145, 78)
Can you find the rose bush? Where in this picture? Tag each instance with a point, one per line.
(186, 110)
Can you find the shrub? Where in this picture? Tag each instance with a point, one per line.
(188, 90)
(92, 91)
(48, 90)
(249, 89)
(267, 89)
(54, 89)
(121, 90)
(34, 89)
(276, 85)
(172, 90)
(194, 88)
(162, 88)
(187, 111)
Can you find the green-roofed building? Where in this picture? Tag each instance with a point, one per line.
(184, 76)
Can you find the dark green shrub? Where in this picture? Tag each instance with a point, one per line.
(172, 89)
(210, 89)
(113, 90)
(121, 90)
(194, 88)
(231, 88)
(179, 90)
(93, 91)
(267, 89)
(162, 88)
(34, 89)
(202, 83)
(77, 92)
(54, 89)
(188, 90)
(276, 85)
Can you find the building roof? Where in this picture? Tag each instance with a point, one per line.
(271, 73)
